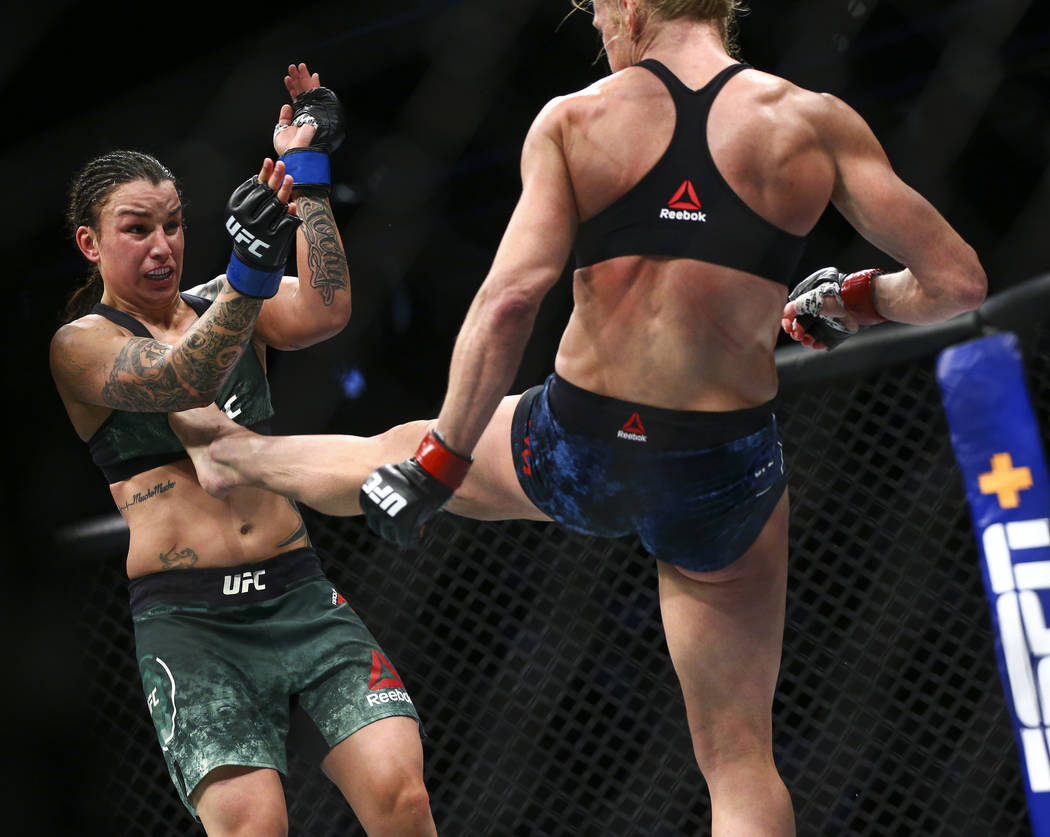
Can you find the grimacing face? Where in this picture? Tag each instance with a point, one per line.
(138, 242)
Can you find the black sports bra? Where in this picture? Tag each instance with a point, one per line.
(129, 443)
(683, 207)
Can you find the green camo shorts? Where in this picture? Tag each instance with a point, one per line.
(225, 653)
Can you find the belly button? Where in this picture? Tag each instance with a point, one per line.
(246, 528)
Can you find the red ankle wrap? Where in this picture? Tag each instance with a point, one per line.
(441, 462)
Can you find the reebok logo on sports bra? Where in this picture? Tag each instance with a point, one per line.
(684, 205)
(662, 214)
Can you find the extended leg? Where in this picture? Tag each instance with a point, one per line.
(324, 472)
(724, 632)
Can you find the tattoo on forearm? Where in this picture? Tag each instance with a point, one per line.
(300, 531)
(329, 273)
(150, 376)
(142, 497)
(182, 559)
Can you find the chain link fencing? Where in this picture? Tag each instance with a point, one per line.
(537, 660)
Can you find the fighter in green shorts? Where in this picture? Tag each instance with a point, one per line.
(235, 623)
(226, 653)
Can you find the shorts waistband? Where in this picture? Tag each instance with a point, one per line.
(599, 416)
(220, 586)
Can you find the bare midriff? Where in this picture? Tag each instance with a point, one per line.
(176, 524)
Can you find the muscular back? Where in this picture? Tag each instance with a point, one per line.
(676, 332)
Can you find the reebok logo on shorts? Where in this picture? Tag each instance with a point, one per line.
(684, 205)
(384, 683)
(633, 430)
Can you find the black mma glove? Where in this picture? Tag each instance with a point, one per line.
(853, 291)
(309, 166)
(263, 231)
(398, 500)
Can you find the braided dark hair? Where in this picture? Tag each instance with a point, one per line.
(90, 189)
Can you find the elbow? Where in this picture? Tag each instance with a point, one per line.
(971, 289)
(325, 328)
(510, 310)
(340, 318)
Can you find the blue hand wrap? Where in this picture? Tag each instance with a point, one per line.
(307, 166)
(251, 281)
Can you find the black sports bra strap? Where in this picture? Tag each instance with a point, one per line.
(199, 304)
(125, 320)
(674, 84)
(122, 319)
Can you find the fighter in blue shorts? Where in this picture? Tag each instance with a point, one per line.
(686, 183)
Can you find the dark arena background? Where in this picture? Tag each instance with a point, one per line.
(535, 656)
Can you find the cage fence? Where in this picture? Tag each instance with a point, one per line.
(537, 661)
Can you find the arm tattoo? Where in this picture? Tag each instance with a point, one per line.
(153, 377)
(208, 290)
(183, 559)
(328, 271)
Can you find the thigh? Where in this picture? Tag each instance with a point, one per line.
(208, 698)
(374, 763)
(724, 632)
(239, 800)
(343, 679)
(491, 490)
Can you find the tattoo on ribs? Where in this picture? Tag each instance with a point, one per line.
(183, 559)
(149, 494)
(328, 270)
(300, 531)
(150, 376)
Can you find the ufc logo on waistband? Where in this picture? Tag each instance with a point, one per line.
(383, 495)
(243, 582)
(242, 236)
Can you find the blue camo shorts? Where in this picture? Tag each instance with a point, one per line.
(695, 487)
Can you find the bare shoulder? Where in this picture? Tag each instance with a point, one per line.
(785, 98)
(824, 117)
(605, 104)
(89, 327)
(76, 339)
(823, 110)
(612, 91)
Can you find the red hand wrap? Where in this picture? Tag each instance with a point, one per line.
(856, 297)
(443, 464)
